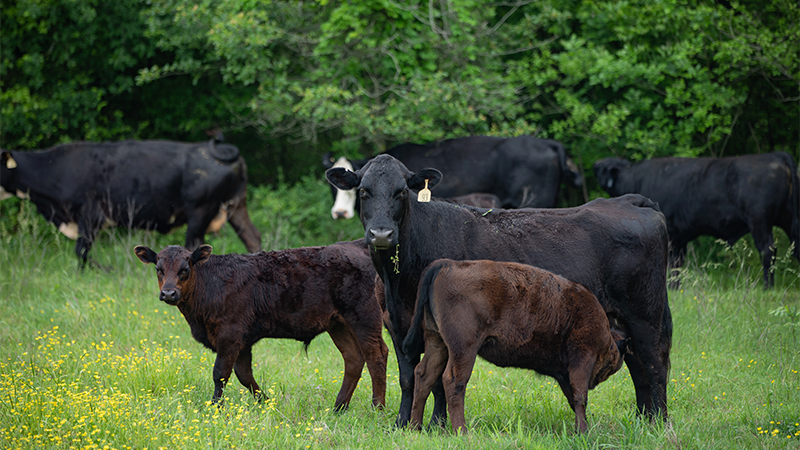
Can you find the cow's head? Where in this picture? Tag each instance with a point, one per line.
(607, 172)
(609, 362)
(175, 269)
(382, 186)
(344, 201)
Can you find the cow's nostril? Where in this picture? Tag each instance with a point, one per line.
(169, 295)
(381, 237)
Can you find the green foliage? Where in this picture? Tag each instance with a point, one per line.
(63, 64)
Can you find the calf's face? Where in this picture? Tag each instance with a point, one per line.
(174, 268)
(382, 186)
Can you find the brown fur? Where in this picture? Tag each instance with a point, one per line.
(512, 315)
(233, 301)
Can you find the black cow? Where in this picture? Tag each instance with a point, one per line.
(522, 171)
(81, 187)
(616, 248)
(721, 197)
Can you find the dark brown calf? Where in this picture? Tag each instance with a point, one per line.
(233, 301)
(512, 315)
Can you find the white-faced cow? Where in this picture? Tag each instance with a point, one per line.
(522, 171)
(81, 187)
(616, 248)
(721, 197)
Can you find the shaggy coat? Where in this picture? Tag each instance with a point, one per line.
(233, 301)
(512, 315)
(616, 248)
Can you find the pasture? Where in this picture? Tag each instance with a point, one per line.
(93, 359)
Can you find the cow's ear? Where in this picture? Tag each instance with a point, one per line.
(144, 254)
(7, 160)
(201, 254)
(328, 160)
(342, 178)
(417, 180)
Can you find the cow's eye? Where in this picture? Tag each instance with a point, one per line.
(362, 193)
(159, 272)
(183, 274)
(403, 194)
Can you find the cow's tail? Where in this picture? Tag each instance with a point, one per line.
(795, 206)
(569, 170)
(413, 343)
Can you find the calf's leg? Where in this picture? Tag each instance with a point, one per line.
(223, 366)
(580, 372)
(427, 373)
(376, 354)
(456, 375)
(244, 372)
(346, 342)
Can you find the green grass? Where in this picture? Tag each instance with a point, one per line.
(92, 359)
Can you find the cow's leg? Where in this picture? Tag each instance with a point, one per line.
(427, 373)
(88, 226)
(405, 365)
(241, 223)
(455, 378)
(376, 353)
(197, 222)
(648, 371)
(244, 372)
(346, 342)
(765, 243)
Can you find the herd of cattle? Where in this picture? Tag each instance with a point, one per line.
(492, 269)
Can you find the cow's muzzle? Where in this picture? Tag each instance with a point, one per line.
(380, 237)
(170, 296)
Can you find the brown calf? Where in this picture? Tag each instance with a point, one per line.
(512, 315)
(233, 301)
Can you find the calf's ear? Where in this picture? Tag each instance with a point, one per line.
(342, 178)
(144, 254)
(417, 180)
(201, 254)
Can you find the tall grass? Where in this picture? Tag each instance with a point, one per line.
(92, 359)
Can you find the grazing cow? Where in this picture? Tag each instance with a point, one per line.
(233, 301)
(81, 187)
(616, 248)
(512, 315)
(522, 171)
(721, 197)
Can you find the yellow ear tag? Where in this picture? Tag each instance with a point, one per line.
(424, 195)
(10, 163)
